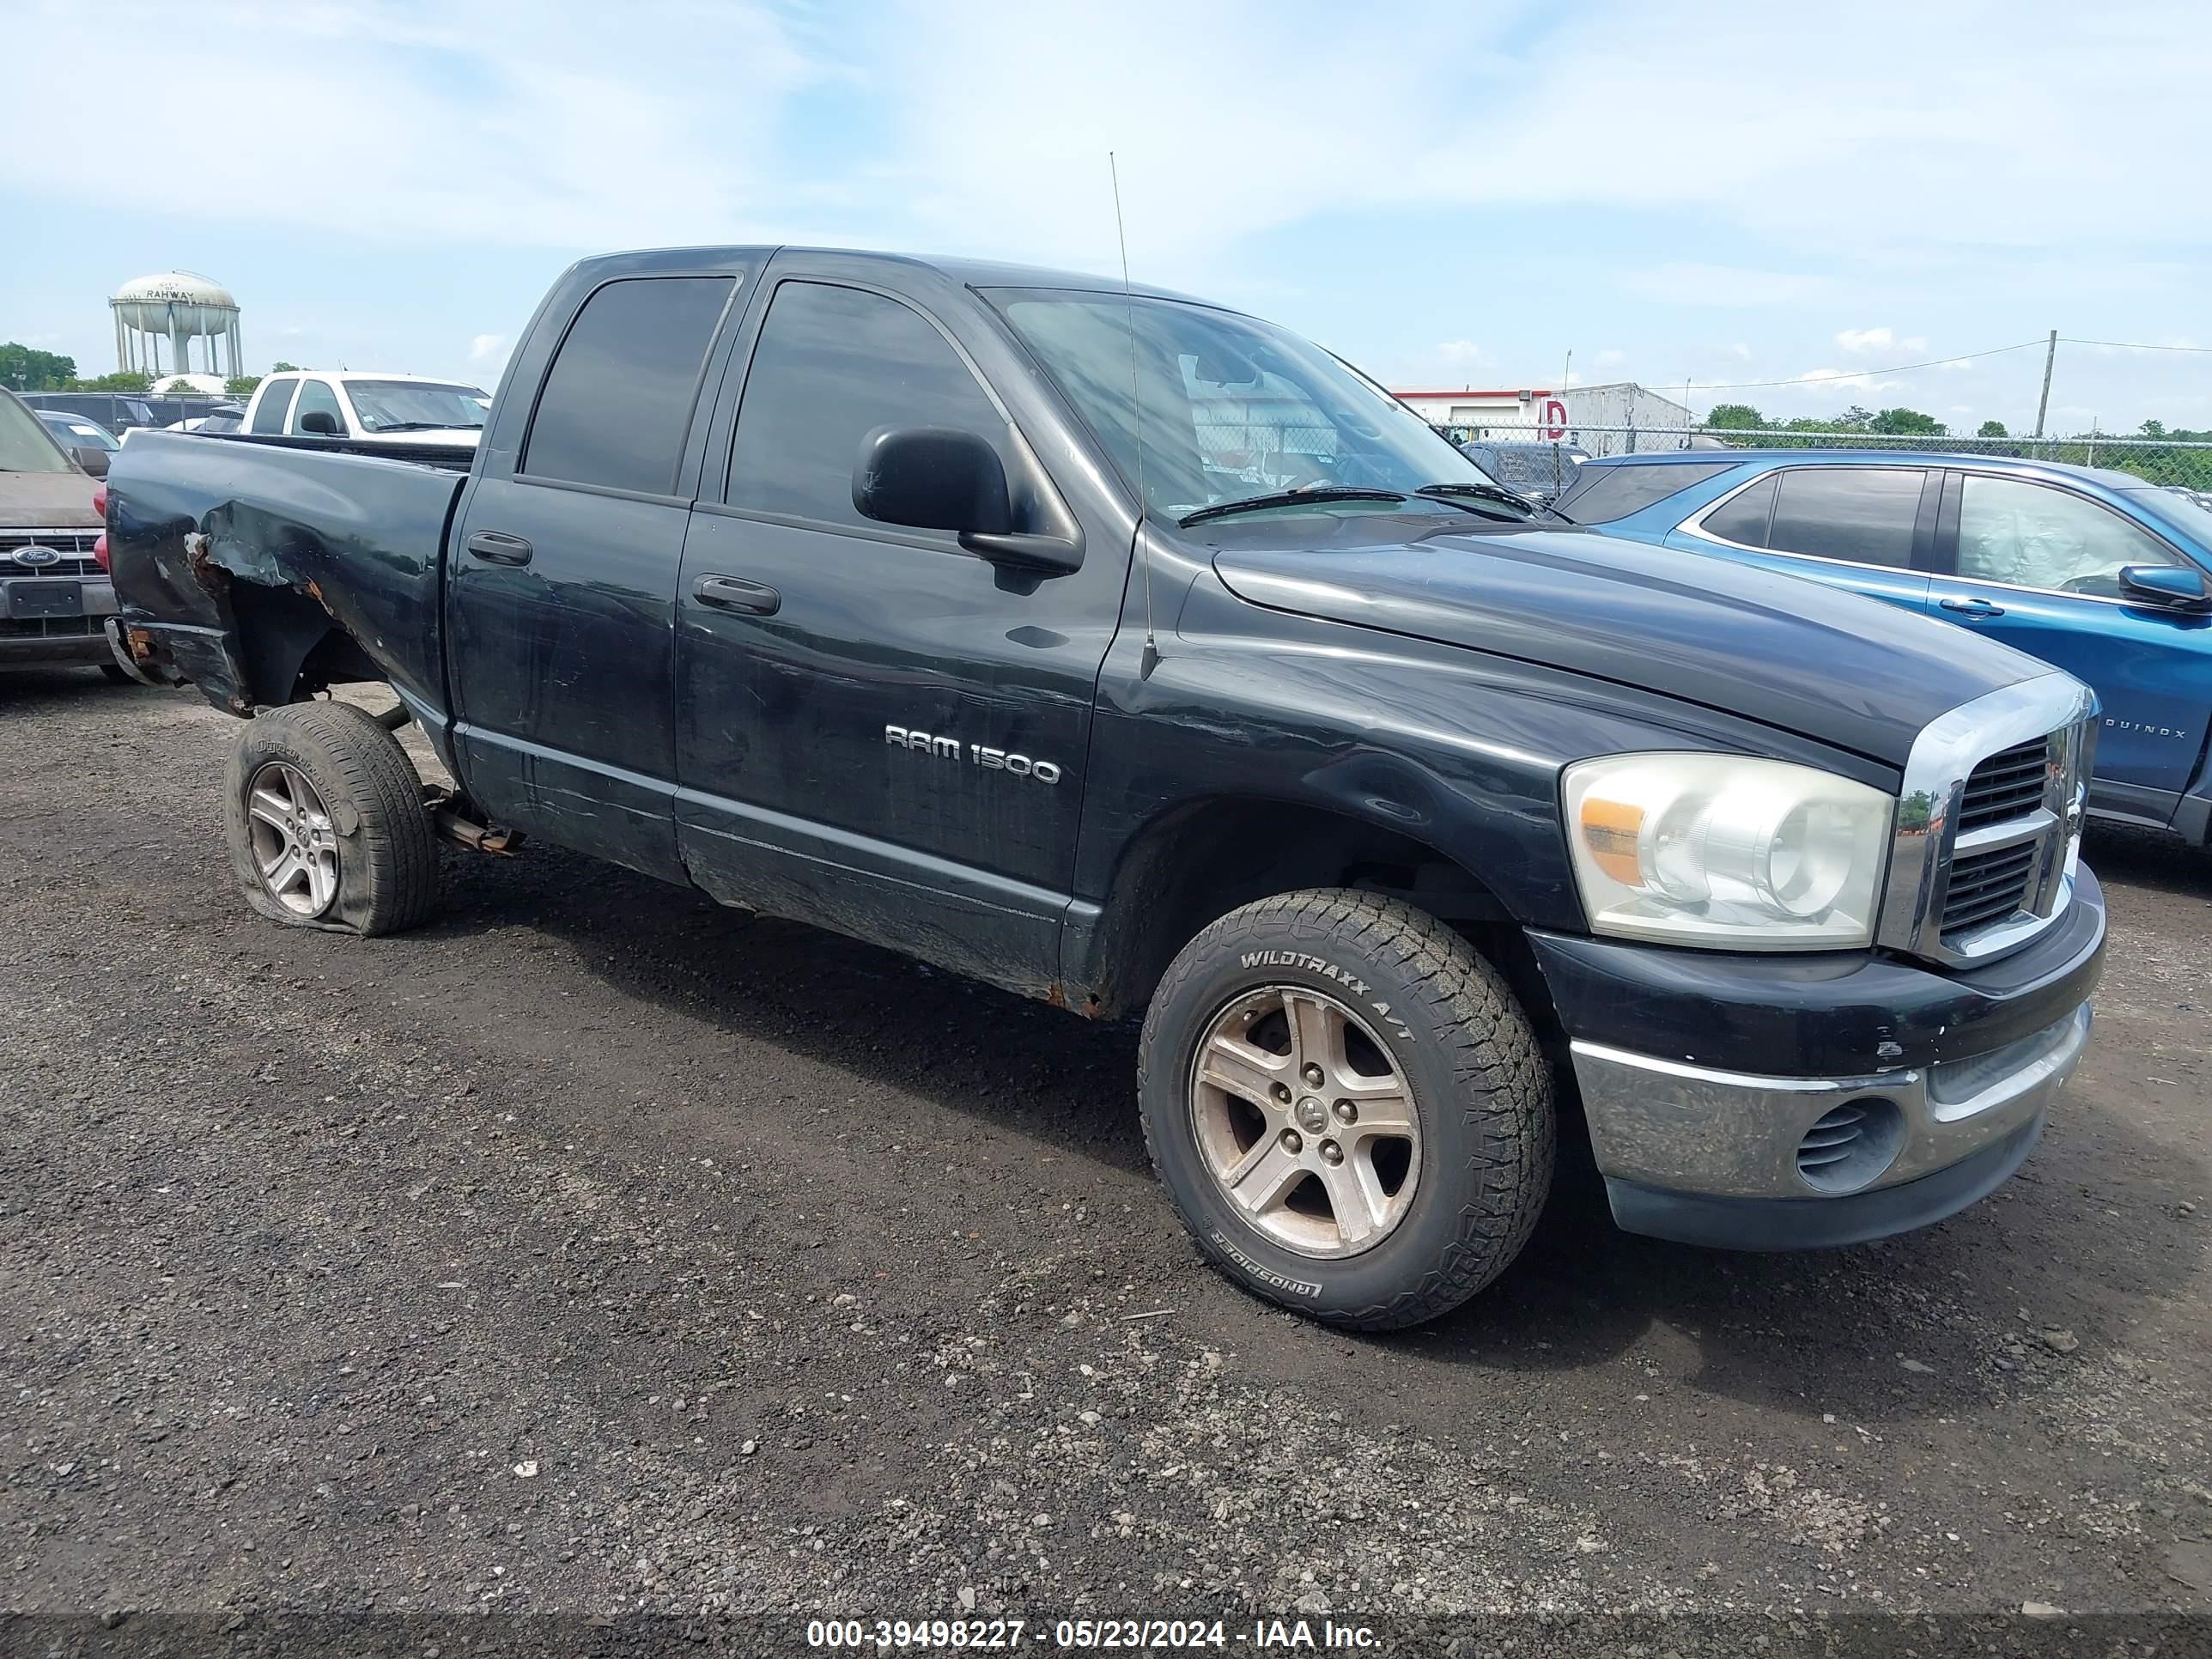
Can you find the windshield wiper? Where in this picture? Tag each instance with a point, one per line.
(431, 426)
(1488, 492)
(1296, 496)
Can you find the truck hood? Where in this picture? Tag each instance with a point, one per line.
(46, 501)
(1853, 672)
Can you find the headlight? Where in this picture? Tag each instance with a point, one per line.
(1726, 852)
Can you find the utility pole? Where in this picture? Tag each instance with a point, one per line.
(2050, 356)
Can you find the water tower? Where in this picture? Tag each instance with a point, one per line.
(179, 307)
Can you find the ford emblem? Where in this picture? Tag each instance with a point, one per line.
(36, 557)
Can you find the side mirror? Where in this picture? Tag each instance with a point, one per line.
(92, 460)
(320, 421)
(2179, 586)
(931, 477)
(939, 477)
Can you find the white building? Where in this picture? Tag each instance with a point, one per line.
(1580, 415)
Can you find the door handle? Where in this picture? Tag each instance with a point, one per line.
(497, 547)
(1973, 609)
(736, 593)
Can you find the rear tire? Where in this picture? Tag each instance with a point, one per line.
(1405, 1149)
(327, 826)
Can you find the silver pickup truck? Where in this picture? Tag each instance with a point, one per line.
(55, 596)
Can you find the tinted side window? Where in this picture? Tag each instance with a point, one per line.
(1601, 494)
(275, 398)
(2029, 535)
(1862, 514)
(1744, 518)
(833, 364)
(617, 400)
(314, 395)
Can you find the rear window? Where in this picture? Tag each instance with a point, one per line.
(617, 400)
(1863, 514)
(275, 398)
(1744, 517)
(1603, 494)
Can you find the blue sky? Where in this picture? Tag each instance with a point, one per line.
(1449, 195)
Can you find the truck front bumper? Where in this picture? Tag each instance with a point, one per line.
(1765, 1103)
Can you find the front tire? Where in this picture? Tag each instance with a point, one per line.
(327, 828)
(1347, 1108)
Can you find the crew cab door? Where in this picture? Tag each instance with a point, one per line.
(562, 562)
(1870, 529)
(2037, 565)
(878, 730)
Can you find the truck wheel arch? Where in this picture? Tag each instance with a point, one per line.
(291, 647)
(1198, 860)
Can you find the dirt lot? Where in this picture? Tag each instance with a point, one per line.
(599, 1250)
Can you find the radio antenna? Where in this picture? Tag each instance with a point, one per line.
(1152, 657)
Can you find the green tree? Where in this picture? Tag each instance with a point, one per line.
(2153, 430)
(1900, 422)
(242, 386)
(1853, 419)
(1734, 417)
(1993, 429)
(281, 366)
(128, 379)
(26, 369)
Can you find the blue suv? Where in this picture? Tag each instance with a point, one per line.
(2096, 572)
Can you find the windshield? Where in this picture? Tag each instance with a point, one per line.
(2185, 513)
(416, 405)
(1233, 407)
(24, 444)
(83, 433)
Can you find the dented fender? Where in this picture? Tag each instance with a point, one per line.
(236, 562)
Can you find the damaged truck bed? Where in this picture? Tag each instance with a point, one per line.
(263, 570)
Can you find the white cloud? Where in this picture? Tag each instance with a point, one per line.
(1610, 358)
(1957, 364)
(487, 349)
(1807, 176)
(1861, 341)
(498, 120)
(540, 123)
(1845, 379)
(1460, 352)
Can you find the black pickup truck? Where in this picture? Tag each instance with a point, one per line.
(1133, 653)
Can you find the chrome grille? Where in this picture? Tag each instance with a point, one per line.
(1985, 887)
(2006, 786)
(74, 545)
(1987, 821)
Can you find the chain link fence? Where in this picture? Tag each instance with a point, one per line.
(2165, 461)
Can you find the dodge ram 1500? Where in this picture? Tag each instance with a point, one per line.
(1133, 653)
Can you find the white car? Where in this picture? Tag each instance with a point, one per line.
(368, 409)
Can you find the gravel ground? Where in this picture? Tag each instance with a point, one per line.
(599, 1252)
